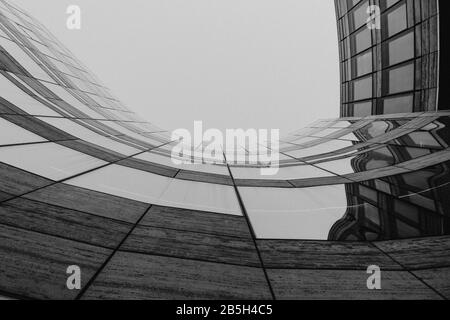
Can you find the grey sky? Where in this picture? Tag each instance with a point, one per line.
(231, 63)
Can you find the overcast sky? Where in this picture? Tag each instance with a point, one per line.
(231, 63)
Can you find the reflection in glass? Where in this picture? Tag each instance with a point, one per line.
(409, 205)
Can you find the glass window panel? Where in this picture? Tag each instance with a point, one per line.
(383, 186)
(372, 213)
(18, 53)
(115, 125)
(380, 158)
(431, 126)
(21, 79)
(49, 160)
(64, 94)
(424, 202)
(302, 140)
(364, 63)
(375, 159)
(302, 171)
(341, 124)
(418, 179)
(362, 109)
(362, 88)
(360, 14)
(306, 213)
(85, 134)
(401, 79)
(326, 147)
(368, 193)
(389, 3)
(417, 152)
(424, 139)
(80, 84)
(284, 157)
(350, 136)
(342, 5)
(401, 49)
(374, 129)
(42, 49)
(325, 132)
(402, 104)
(338, 167)
(363, 40)
(158, 158)
(22, 100)
(124, 182)
(119, 115)
(406, 210)
(207, 168)
(201, 196)
(13, 134)
(397, 20)
(60, 66)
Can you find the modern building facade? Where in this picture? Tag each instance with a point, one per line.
(84, 181)
(393, 68)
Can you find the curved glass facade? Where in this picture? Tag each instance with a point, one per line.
(85, 181)
(393, 68)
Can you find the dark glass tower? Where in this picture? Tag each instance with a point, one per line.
(393, 68)
(84, 181)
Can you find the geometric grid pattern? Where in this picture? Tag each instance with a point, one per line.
(393, 69)
(85, 181)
